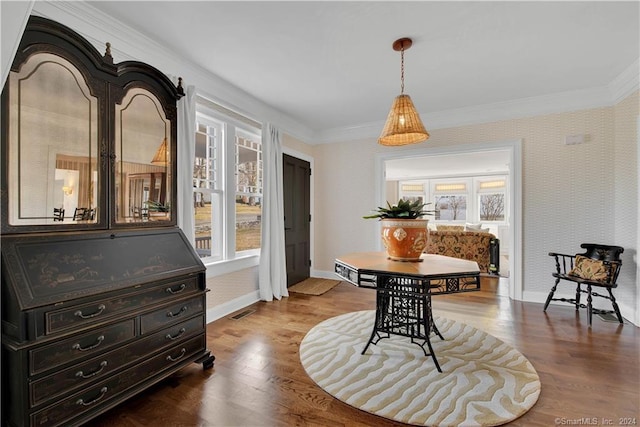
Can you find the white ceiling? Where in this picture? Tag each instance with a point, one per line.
(330, 64)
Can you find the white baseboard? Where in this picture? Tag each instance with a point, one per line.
(541, 297)
(229, 307)
(239, 303)
(323, 274)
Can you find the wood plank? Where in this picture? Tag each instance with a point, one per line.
(258, 379)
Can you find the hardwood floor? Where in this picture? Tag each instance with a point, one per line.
(589, 376)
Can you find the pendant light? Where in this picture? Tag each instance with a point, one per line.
(161, 155)
(403, 124)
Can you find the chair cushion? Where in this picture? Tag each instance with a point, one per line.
(590, 269)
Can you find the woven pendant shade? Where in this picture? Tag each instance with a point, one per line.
(403, 124)
(161, 155)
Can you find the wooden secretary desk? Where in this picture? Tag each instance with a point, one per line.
(98, 300)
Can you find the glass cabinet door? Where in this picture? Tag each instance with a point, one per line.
(143, 159)
(52, 168)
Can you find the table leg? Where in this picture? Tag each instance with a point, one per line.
(430, 325)
(403, 307)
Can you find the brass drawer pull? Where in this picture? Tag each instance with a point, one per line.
(182, 353)
(81, 374)
(178, 335)
(103, 391)
(79, 313)
(91, 347)
(172, 314)
(180, 289)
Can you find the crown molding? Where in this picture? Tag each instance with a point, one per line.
(12, 29)
(582, 99)
(605, 96)
(129, 44)
(626, 83)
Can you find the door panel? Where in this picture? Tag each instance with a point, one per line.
(297, 210)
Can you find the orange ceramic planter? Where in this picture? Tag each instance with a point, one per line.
(405, 239)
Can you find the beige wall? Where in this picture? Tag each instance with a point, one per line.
(292, 143)
(569, 191)
(226, 288)
(571, 194)
(625, 172)
(391, 191)
(228, 292)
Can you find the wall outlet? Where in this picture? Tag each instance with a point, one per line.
(573, 139)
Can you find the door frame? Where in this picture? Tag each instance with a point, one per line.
(294, 153)
(515, 193)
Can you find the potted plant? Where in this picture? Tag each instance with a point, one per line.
(157, 206)
(156, 211)
(404, 230)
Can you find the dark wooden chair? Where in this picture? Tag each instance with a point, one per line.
(84, 214)
(58, 214)
(79, 214)
(598, 266)
(89, 214)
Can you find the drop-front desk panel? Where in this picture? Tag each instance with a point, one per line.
(90, 319)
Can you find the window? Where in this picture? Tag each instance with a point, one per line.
(248, 191)
(460, 199)
(227, 186)
(412, 191)
(450, 201)
(411, 188)
(491, 200)
(208, 190)
(451, 207)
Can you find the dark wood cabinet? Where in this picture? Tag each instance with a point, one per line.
(95, 307)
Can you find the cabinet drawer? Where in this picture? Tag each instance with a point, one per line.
(101, 393)
(86, 314)
(171, 313)
(65, 351)
(87, 372)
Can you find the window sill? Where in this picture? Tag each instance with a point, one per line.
(219, 268)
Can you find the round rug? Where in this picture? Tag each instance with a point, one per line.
(484, 381)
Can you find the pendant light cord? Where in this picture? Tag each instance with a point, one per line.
(402, 70)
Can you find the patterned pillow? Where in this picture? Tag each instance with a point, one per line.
(590, 269)
(475, 227)
(450, 227)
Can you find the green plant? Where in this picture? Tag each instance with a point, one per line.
(156, 206)
(404, 209)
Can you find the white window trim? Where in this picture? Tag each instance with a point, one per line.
(433, 183)
(478, 192)
(228, 254)
(515, 203)
(217, 245)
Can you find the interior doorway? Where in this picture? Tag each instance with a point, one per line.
(465, 161)
(296, 174)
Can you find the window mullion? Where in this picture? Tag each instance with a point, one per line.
(230, 160)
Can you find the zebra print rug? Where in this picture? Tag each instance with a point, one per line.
(484, 382)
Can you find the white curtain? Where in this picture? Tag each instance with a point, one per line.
(186, 154)
(272, 270)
